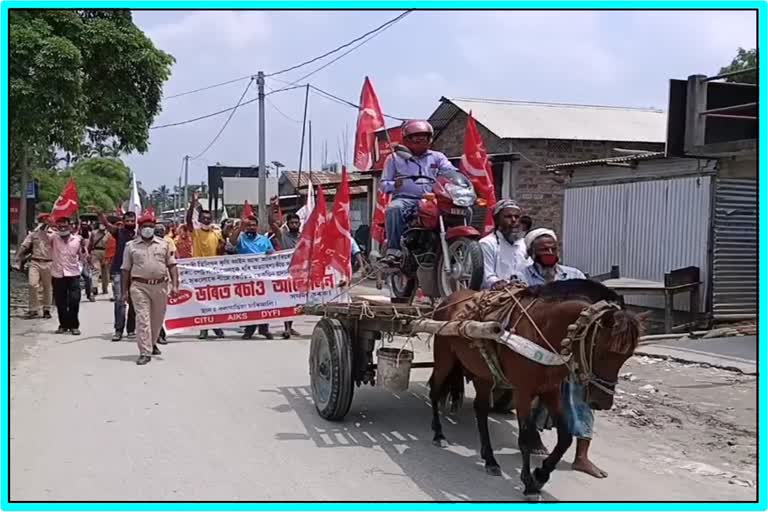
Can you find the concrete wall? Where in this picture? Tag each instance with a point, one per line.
(532, 185)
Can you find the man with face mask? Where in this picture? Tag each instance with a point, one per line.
(97, 247)
(147, 263)
(69, 256)
(542, 247)
(504, 250)
(249, 241)
(37, 245)
(206, 242)
(398, 179)
(122, 236)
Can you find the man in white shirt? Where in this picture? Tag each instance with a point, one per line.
(504, 250)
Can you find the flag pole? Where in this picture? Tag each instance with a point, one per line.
(297, 190)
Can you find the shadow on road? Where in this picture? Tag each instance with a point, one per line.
(399, 424)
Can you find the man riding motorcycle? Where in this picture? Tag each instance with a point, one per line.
(400, 178)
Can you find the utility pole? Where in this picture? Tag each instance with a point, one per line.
(179, 215)
(262, 155)
(186, 181)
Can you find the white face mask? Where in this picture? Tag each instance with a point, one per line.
(147, 233)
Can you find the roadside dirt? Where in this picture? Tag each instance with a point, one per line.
(692, 418)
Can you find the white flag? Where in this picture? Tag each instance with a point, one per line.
(134, 203)
(305, 210)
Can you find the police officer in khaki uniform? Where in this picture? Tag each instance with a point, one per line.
(38, 246)
(97, 248)
(147, 262)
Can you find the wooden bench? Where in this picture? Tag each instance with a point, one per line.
(682, 280)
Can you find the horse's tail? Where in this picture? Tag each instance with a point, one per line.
(452, 389)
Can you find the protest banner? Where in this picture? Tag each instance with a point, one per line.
(237, 290)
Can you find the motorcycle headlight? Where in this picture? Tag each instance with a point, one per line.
(461, 196)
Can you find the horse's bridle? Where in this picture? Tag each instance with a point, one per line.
(589, 321)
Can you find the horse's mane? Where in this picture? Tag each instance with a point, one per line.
(591, 291)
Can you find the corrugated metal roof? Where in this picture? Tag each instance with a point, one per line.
(321, 178)
(528, 120)
(624, 159)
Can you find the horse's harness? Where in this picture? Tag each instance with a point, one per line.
(500, 305)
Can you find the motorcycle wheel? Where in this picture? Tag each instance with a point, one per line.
(401, 287)
(466, 262)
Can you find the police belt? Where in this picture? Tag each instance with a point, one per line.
(149, 281)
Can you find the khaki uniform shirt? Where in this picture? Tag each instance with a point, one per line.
(40, 242)
(148, 260)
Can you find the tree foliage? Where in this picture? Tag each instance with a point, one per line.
(101, 182)
(82, 76)
(744, 59)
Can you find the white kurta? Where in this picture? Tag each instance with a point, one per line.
(501, 259)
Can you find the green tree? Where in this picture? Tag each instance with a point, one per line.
(745, 59)
(101, 183)
(79, 78)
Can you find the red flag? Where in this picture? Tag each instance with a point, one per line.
(377, 232)
(247, 211)
(149, 211)
(475, 165)
(369, 119)
(338, 239)
(310, 253)
(67, 203)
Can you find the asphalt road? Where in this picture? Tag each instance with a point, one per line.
(233, 420)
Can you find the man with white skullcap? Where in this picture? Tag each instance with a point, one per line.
(542, 247)
(504, 250)
(541, 244)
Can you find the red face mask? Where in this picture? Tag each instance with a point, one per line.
(417, 147)
(547, 260)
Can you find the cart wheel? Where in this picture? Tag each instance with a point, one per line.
(330, 369)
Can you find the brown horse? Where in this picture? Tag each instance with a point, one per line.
(578, 324)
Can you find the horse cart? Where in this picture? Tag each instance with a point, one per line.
(341, 355)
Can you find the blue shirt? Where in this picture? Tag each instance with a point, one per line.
(531, 276)
(355, 247)
(259, 244)
(429, 164)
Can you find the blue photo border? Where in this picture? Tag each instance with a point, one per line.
(760, 6)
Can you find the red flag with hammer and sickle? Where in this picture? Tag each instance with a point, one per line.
(369, 119)
(67, 203)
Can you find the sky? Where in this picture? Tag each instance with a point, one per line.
(617, 58)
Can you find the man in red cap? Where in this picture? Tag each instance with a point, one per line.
(37, 245)
(147, 262)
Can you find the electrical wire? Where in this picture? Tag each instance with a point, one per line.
(223, 111)
(289, 118)
(351, 49)
(381, 27)
(224, 126)
(342, 101)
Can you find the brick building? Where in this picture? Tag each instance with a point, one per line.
(523, 138)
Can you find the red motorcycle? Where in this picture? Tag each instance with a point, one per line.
(440, 248)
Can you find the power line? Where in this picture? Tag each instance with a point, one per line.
(272, 104)
(339, 48)
(310, 61)
(220, 84)
(224, 126)
(391, 23)
(342, 101)
(219, 112)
